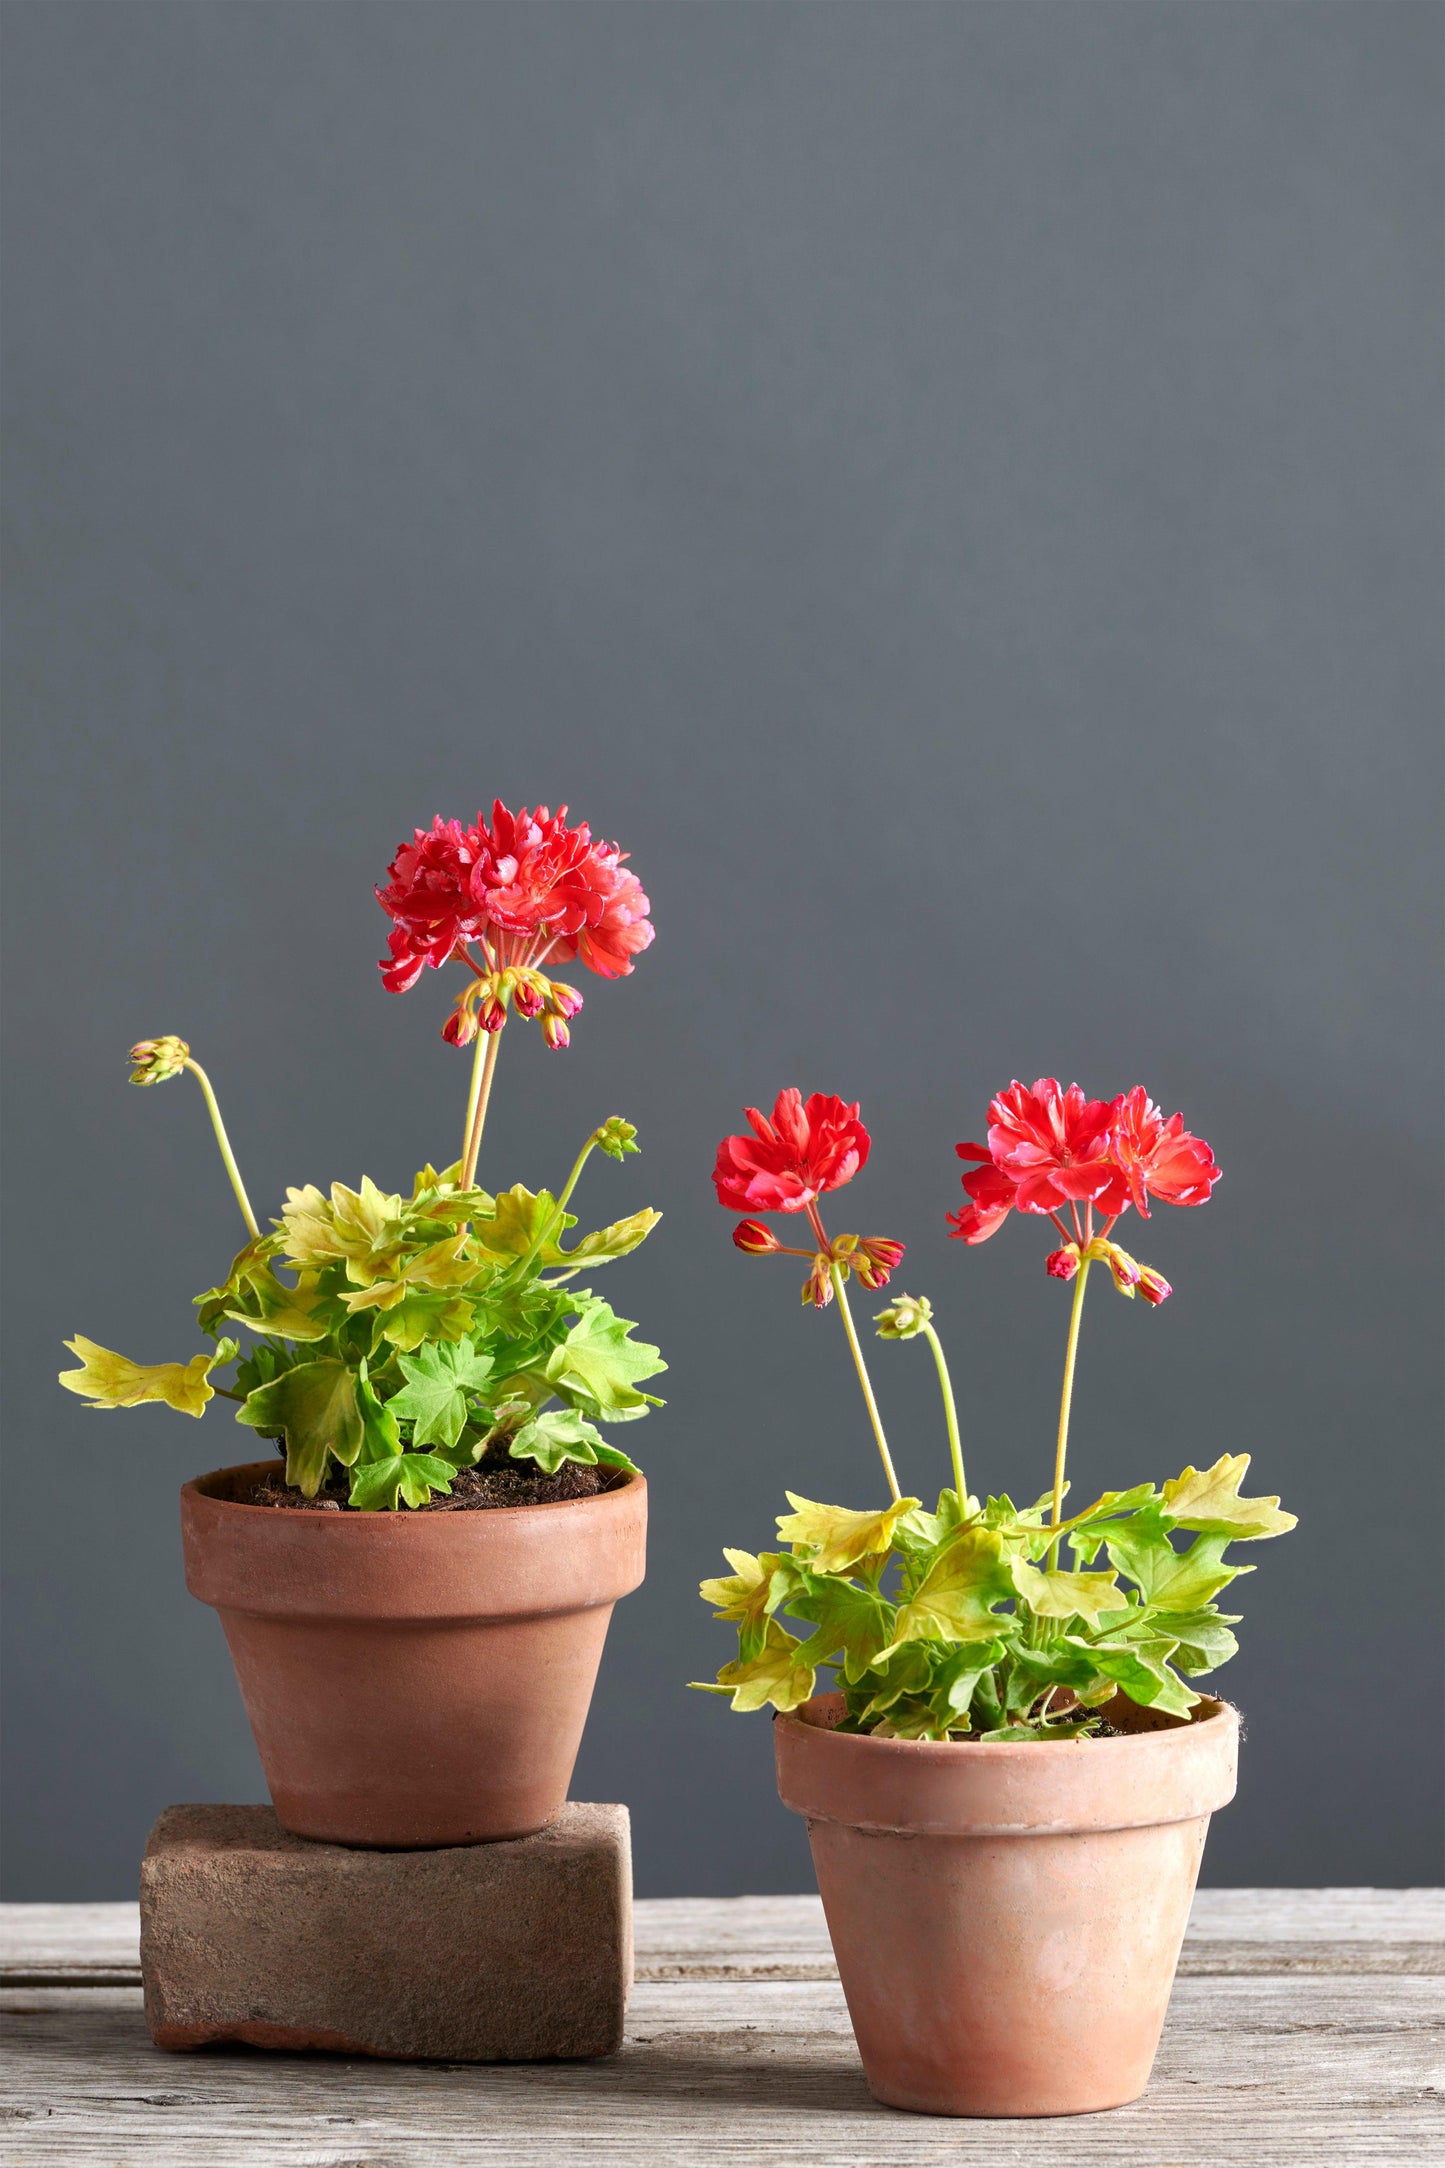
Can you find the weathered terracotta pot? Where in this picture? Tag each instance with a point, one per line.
(1007, 1918)
(414, 1678)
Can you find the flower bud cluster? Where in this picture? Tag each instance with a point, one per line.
(156, 1060)
(1129, 1276)
(484, 1002)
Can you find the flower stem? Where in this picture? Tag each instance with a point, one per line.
(478, 1120)
(553, 1226)
(1065, 1403)
(479, 1055)
(858, 1363)
(950, 1416)
(227, 1155)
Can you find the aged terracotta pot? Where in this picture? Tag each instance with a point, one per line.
(414, 1678)
(1007, 1918)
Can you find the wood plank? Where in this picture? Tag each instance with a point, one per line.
(1231, 1932)
(1253, 2073)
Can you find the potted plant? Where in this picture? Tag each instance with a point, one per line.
(416, 1601)
(1008, 1789)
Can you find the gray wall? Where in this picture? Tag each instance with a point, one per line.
(955, 490)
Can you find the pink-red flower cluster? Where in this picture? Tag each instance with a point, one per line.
(526, 890)
(809, 1146)
(1051, 1151)
(787, 1163)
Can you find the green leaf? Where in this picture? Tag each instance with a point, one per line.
(598, 1364)
(559, 1435)
(380, 1437)
(1208, 1499)
(1065, 1595)
(954, 1600)
(314, 1408)
(924, 1531)
(434, 1397)
(1168, 1579)
(108, 1380)
(1202, 1639)
(426, 1313)
(836, 1536)
(1144, 1675)
(612, 1456)
(378, 1486)
(907, 1669)
(956, 1681)
(776, 1674)
(856, 1621)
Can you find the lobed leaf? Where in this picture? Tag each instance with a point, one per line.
(1208, 1499)
(314, 1407)
(108, 1380)
(838, 1537)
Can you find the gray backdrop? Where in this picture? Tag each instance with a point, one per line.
(954, 489)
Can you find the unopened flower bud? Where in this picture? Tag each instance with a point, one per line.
(616, 1137)
(1062, 1264)
(877, 1259)
(529, 992)
(818, 1287)
(754, 1239)
(1153, 1287)
(460, 1027)
(905, 1318)
(1124, 1268)
(492, 1008)
(158, 1059)
(562, 999)
(555, 1032)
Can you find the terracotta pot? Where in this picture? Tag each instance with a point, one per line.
(1007, 1918)
(414, 1679)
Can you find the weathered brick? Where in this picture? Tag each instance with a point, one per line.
(516, 1951)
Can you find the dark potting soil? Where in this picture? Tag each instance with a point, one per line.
(475, 1490)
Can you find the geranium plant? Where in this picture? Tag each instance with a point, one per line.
(391, 1341)
(972, 1621)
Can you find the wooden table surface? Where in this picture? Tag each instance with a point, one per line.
(1305, 2030)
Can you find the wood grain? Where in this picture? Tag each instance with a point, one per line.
(1306, 2027)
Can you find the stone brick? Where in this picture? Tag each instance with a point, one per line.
(517, 1951)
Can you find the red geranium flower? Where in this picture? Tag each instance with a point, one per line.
(429, 895)
(1158, 1157)
(787, 1163)
(527, 889)
(1049, 1149)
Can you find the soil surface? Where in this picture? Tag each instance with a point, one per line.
(483, 1489)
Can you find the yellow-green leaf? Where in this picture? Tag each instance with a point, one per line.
(1066, 1595)
(606, 1243)
(836, 1536)
(108, 1380)
(774, 1675)
(953, 1600)
(1208, 1500)
(314, 1407)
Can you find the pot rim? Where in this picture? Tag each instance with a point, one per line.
(1015, 1787)
(392, 1517)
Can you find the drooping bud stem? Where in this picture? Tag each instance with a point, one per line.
(156, 1061)
(950, 1415)
(1066, 1401)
